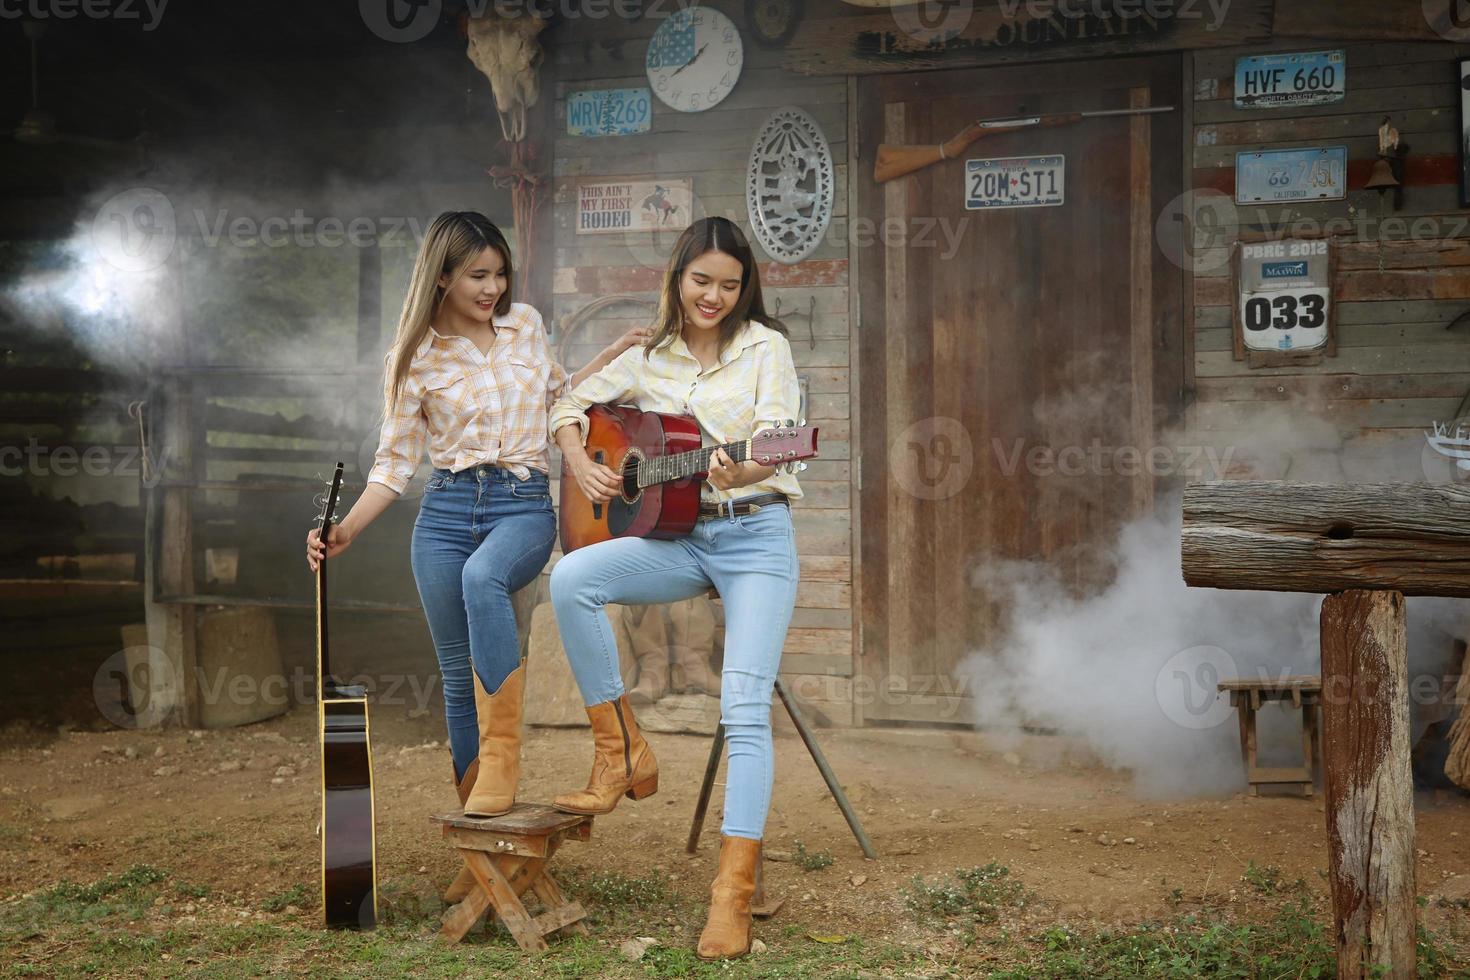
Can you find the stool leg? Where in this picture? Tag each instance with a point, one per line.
(1248, 719)
(551, 896)
(506, 902)
(833, 785)
(716, 749)
(1309, 745)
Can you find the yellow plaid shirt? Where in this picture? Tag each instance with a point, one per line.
(472, 409)
(753, 385)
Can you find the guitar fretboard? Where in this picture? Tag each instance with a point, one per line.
(681, 466)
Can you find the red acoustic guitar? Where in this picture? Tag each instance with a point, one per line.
(663, 467)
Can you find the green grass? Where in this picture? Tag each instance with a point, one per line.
(809, 860)
(111, 928)
(295, 895)
(967, 897)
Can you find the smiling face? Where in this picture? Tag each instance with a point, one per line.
(709, 289)
(472, 292)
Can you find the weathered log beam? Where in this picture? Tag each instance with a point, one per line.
(1368, 782)
(1305, 537)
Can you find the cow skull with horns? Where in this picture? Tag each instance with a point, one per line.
(505, 49)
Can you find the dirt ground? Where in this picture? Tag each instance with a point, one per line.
(236, 810)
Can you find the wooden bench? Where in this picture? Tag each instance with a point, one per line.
(1305, 693)
(508, 856)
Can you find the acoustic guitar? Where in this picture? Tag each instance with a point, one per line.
(349, 847)
(663, 466)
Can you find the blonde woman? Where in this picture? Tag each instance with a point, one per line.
(470, 377)
(716, 355)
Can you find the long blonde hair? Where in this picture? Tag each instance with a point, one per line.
(712, 234)
(451, 243)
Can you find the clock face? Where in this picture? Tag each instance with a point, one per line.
(694, 59)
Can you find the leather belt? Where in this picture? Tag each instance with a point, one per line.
(741, 507)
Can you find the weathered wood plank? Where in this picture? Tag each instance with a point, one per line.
(1305, 537)
(1368, 782)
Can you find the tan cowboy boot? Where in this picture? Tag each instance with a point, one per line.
(727, 931)
(465, 881)
(499, 715)
(623, 764)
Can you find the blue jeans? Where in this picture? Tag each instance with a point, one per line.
(752, 561)
(481, 534)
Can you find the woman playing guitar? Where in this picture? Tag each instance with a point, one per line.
(470, 377)
(716, 355)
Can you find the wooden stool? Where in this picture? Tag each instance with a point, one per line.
(508, 856)
(1247, 696)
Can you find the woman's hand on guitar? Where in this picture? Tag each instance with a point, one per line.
(337, 542)
(598, 483)
(724, 472)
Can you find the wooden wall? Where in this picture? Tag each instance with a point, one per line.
(1403, 276)
(712, 148)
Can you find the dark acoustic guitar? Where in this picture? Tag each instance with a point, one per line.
(349, 848)
(663, 466)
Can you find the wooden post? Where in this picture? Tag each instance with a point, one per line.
(1369, 784)
(1367, 547)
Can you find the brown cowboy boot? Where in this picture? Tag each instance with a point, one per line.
(465, 881)
(727, 931)
(499, 715)
(623, 764)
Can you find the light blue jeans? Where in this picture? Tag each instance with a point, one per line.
(481, 534)
(751, 560)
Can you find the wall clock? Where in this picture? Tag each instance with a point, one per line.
(694, 59)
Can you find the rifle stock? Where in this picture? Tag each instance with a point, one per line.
(896, 161)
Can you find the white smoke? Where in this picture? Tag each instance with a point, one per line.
(1131, 669)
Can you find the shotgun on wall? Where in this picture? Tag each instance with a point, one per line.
(895, 161)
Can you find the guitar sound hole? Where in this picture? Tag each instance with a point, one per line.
(630, 477)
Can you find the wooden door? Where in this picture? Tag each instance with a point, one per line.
(1004, 357)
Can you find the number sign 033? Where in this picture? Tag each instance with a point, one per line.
(1284, 292)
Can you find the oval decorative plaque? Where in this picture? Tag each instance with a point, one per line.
(789, 185)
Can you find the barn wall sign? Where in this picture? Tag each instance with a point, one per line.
(615, 207)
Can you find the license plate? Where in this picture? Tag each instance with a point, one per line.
(1313, 174)
(1015, 182)
(609, 112)
(1271, 81)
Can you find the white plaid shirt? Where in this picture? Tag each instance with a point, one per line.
(753, 385)
(472, 409)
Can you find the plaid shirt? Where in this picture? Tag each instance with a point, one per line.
(470, 408)
(753, 385)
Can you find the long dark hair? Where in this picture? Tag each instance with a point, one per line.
(713, 234)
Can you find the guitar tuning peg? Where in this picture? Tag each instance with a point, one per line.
(776, 424)
(801, 421)
(790, 423)
(800, 467)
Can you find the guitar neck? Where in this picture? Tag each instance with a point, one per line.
(325, 681)
(682, 466)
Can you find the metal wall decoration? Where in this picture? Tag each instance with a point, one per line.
(789, 185)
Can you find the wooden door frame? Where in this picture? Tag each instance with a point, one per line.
(1171, 333)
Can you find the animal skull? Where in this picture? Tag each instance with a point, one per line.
(505, 49)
